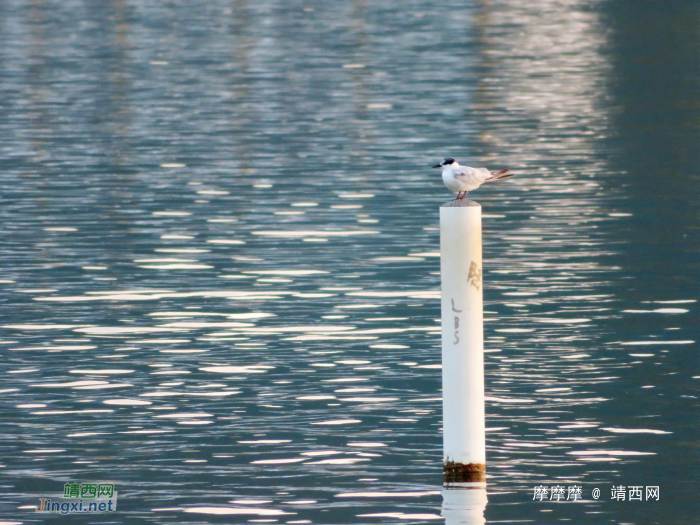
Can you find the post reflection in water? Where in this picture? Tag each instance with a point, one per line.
(464, 503)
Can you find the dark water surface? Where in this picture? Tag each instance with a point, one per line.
(220, 270)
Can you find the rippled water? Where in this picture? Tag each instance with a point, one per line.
(220, 255)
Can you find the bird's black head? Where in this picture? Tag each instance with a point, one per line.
(445, 162)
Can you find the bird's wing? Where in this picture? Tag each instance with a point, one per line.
(463, 171)
(472, 174)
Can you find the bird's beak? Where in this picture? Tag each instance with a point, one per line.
(437, 166)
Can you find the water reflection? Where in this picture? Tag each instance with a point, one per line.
(464, 503)
(220, 269)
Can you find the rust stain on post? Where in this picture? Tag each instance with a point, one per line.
(454, 472)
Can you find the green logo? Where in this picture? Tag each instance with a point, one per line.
(88, 490)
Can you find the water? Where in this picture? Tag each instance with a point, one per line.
(220, 281)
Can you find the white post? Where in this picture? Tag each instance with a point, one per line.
(464, 432)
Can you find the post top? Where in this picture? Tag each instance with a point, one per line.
(461, 203)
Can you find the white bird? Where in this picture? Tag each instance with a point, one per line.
(463, 179)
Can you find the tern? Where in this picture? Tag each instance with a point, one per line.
(463, 179)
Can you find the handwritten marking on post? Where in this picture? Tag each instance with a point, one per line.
(474, 277)
(456, 322)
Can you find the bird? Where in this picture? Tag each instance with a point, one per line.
(463, 179)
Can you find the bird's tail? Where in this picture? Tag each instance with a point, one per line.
(497, 175)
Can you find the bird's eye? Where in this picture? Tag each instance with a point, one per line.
(448, 161)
